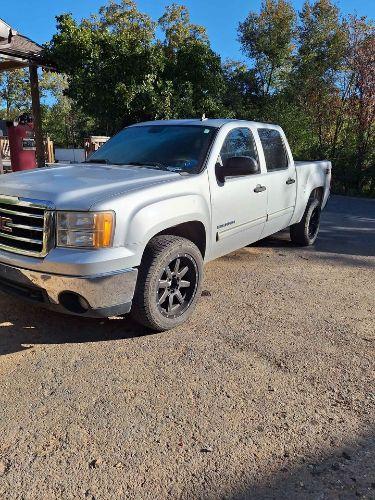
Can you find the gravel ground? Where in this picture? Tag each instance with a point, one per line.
(268, 392)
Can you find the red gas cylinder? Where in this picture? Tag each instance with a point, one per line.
(22, 144)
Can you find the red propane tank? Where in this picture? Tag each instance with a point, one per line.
(22, 144)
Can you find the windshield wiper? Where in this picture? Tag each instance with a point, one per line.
(103, 161)
(149, 164)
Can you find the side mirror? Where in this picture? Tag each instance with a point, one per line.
(237, 166)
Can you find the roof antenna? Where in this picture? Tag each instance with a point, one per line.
(203, 117)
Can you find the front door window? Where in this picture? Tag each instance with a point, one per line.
(239, 142)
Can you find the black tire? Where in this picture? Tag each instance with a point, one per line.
(157, 282)
(306, 231)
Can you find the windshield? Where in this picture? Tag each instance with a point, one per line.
(178, 148)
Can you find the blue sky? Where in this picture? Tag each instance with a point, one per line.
(36, 18)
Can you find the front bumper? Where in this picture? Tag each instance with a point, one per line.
(99, 295)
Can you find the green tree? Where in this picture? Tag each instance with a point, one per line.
(359, 128)
(119, 73)
(178, 29)
(241, 93)
(15, 97)
(319, 65)
(66, 125)
(314, 76)
(15, 93)
(198, 81)
(322, 40)
(191, 68)
(110, 64)
(266, 38)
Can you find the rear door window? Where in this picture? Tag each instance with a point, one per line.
(274, 149)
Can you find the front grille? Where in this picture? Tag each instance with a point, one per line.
(24, 226)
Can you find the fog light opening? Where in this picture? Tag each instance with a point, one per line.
(74, 302)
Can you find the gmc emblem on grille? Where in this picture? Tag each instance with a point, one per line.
(4, 224)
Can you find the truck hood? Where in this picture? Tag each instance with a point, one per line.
(78, 187)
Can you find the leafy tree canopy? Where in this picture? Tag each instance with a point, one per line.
(266, 37)
(313, 72)
(118, 72)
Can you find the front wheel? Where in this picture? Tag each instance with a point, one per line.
(169, 283)
(306, 231)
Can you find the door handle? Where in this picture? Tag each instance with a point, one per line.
(290, 181)
(259, 188)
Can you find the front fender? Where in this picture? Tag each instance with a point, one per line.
(158, 216)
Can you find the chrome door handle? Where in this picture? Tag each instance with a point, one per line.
(290, 181)
(259, 188)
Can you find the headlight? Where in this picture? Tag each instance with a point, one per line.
(85, 229)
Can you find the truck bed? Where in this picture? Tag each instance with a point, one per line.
(317, 163)
(320, 171)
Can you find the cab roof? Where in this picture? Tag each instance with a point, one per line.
(216, 123)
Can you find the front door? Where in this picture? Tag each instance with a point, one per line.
(239, 205)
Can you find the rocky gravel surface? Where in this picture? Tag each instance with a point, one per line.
(268, 392)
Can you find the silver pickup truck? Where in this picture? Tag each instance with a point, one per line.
(130, 229)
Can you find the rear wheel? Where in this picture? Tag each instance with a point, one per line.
(169, 283)
(306, 231)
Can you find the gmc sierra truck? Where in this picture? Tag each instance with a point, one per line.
(129, 229)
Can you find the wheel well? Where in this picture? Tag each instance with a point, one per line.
(317, 194)
(193, 231)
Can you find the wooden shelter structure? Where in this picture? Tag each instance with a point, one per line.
(18, 51)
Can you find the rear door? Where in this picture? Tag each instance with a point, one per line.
(280, 179)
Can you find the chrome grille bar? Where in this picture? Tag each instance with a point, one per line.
(26, 226)
(30, 228)
(20, 238)
(21, 214)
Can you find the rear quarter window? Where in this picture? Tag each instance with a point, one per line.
(274, 149)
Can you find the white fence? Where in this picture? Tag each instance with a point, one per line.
(69, 155)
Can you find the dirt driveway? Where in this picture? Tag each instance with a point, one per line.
(267, 393)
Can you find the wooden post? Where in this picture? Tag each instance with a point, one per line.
(35, 99)
(49, 151)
